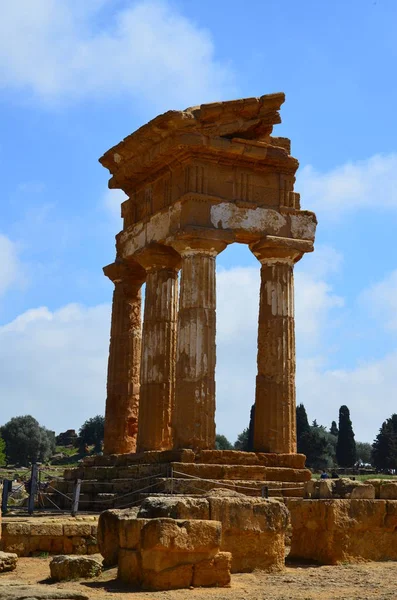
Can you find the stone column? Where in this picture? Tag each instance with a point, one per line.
(158, 347)
(194, 415)
(275, 411)
(122, 402)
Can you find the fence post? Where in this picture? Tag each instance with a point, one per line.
(33, 488)
(7, 488)
(76, 497)
(265, 491)
(172, 481)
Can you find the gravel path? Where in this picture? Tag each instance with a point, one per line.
(365, 581)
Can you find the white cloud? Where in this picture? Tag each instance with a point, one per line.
(368, 390)
(237, 327)
(10, 266)
(71, 50)
(370, 183)
(53, 365)
(380, 300)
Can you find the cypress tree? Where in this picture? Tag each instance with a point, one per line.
(334, 429)
(346, 455)
(302, 425)
(384, 448)
(251, 429)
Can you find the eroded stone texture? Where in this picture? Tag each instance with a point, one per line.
(122, 402)
(8, 561)
(336, 531)
(194, 413)
(158, 348)
(275, 408)
(197, 180)
(74, 567)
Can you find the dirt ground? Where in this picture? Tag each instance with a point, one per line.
(299, 582)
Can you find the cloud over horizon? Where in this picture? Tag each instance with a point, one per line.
(146, 50)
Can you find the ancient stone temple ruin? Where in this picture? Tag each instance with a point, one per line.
(198, 180)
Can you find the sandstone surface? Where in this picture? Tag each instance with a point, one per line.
(253, 529)
(335, 530)
(8, 561)
(74, 567)
(196, 181)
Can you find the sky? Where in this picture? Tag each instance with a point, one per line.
(77, 77)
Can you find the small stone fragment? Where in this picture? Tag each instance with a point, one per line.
(8, 561)
(74, 567)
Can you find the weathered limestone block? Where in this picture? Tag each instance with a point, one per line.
(177, 507)
(236, 457)
(388, 491)
(74, 567)
(165, 553)
(336, 530)
(253, 530)
(213, 572)
(241, 472)
(167, 543)
(108, 533)
(338, 488)
(8, 561)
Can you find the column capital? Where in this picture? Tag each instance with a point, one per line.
(122, 272)
(190, 246)
(272, 249)
(156, 256)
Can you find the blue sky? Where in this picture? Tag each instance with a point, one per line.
(75, 78)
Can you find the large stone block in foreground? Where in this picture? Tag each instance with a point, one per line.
(165, 554)
(333, 531)
(253, 529)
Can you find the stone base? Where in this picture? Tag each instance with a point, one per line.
(215, 457)
(119, 480)
(61, 535)
(167, 554)
(336, 531)
(252, 529)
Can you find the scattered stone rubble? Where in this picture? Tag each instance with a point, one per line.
(8, 561)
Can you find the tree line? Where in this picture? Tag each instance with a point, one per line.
(24, 441)
(326, 448)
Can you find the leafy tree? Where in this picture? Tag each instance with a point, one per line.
(319, 448)
(26, 441)
(222, 443)
(346, 454)
(242, 440)
(302, 425)
(364, 452)
(384, 448)
(334, 429)
(92, 432)
(2, 452)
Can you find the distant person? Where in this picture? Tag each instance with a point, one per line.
(324, 475)
(334, 475)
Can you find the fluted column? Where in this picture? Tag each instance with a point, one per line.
(158, 348)
(122, 402)
(194, 414)
(275, 411)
